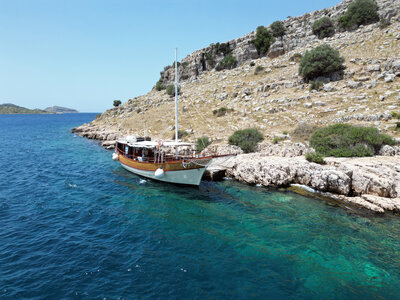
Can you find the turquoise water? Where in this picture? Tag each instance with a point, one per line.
(75, 225)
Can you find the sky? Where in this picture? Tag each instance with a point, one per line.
(84, 54)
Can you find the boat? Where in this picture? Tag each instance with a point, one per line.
(167, 161)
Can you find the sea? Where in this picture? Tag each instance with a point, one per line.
(75, 225)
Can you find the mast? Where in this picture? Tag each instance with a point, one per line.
(176, 102)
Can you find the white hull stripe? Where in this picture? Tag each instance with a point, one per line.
(190, 177)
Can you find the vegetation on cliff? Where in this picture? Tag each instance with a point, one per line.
(117, 103)
(278, 29)
(246, 139)
(264, 39)
(323, 27)
(321, 61)
(344, 140)
(202, 143)
(359, 12)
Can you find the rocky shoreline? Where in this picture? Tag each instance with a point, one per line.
(369, 182)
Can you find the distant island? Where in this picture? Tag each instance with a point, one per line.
(9, 108)
(61, 110)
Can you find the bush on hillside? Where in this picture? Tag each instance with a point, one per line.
(296, 57)
(321, 61)
(160, 85)
(222, 111)
(246, 139)
(344, 140)
(252, 64)
(202, 142)
(229, 62)
(181, 134)
(395, 115)
(222, 48)
(316, 85)
(264, 39)
(278, 29)
(170, 90)
(359, 12)
(315, 158)
(117, 103)
(258, 70)
(323, 27)
(383, 23)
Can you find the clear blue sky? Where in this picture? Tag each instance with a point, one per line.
(84, 54)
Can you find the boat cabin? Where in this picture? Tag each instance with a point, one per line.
(152, 151)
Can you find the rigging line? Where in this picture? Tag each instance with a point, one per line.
(201, 116)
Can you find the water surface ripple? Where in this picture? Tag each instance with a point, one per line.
(74, 224)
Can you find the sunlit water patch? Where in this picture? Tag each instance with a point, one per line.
(74, 224)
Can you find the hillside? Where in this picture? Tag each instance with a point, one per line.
(8, 108)
(275, 99)
(59, 109)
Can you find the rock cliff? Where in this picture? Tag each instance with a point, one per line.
(299, 34)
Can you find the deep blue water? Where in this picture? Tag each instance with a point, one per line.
(74, 224)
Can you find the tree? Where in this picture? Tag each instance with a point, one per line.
(264, 39)
(278, 29)
(359, 12)
(117, 103)
(323, 27)
(321, 61)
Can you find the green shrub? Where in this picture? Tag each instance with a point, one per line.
(264, 39)
(323, 27)
(209, 57)
(252, 64)
(229, 62)
(397, 126)
(315, 157)
(202, 142)
(383, 23)
(258, 70)
(117, 103)
(221, 111)
(395, 115)
(344, 140)
(170, 90)
(160, 85)
(278, 29)
(246, 139)
(181, 134)
(296, 57)
(321, 61)
(223, 48)
(359, 12)
(316, 85)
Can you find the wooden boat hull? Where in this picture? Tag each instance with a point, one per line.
(174, 172)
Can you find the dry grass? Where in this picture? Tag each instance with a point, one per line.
(202, 97)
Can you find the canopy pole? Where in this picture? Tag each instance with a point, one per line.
(176, 103)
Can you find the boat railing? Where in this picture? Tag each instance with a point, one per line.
(166, 158)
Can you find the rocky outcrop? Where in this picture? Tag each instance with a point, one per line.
(106, 136)
(284, 149)
(299, 34)
(373, 183)
(220, 149)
